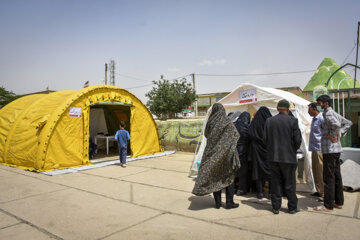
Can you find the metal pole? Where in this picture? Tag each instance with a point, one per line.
(105, 73)
(348, 135)
(343, 104)
(196, 107)
(357, 53)
(112, 72)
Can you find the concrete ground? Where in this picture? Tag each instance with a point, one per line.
(151, 199)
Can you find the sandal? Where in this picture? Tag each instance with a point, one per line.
(338, 206)
(322, 209)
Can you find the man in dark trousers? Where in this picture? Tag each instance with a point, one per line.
(282, 137)
(333, 128)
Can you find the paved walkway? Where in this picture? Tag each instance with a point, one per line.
(151, 199)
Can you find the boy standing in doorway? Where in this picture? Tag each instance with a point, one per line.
(122, 137)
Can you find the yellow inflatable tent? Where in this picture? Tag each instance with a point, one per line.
(44, 132)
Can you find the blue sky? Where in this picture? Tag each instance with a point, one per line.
(62, 44)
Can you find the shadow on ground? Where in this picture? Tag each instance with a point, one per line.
(201, 203)
(305, 201)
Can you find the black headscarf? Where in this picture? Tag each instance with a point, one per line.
(242, 125)
(220, 159)
(257, 151)
(258, 123)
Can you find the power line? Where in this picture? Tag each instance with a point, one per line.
(147, 85)
(144, 80)
(136, 78)
(213, 75)
(349, 54)
(140, 79)
(252, 74)
(180, 77)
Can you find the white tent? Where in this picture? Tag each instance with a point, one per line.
(249, 97)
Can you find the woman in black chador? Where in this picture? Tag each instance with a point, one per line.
(220, 159)
(257, 152)
(243, 175)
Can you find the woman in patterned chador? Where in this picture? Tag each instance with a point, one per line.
(220, 160)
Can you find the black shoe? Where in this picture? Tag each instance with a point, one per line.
(294, 211)
(217, 205)
(240, 193)
(232, 205)
(260, 196)
(275, 211)
(315, 194)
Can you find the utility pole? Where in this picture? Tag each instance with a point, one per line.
(196, 107)
(112, 72)
(105, 73)
(357, 53)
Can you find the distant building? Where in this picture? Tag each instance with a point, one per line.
(295, 90)
(206, 100)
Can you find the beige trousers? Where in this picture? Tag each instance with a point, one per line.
(317, 168)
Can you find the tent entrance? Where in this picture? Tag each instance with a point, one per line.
(105, 118)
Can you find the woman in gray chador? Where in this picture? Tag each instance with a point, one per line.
(220, 159)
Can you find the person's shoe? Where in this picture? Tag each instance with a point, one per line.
(322, 208)
(275, 211)
(338, 206)
(315, 194)
(124, 165)
(240, 193)
(260, 196)
(294, 211)
(217, 205)
(232, 205)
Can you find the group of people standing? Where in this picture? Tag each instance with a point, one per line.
(255, 169)
(252, 152)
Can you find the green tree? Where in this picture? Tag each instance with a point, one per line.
(7, 97)
(168, 98)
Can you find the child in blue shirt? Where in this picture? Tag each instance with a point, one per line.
(122, 137)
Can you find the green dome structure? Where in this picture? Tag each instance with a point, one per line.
(324, 71)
